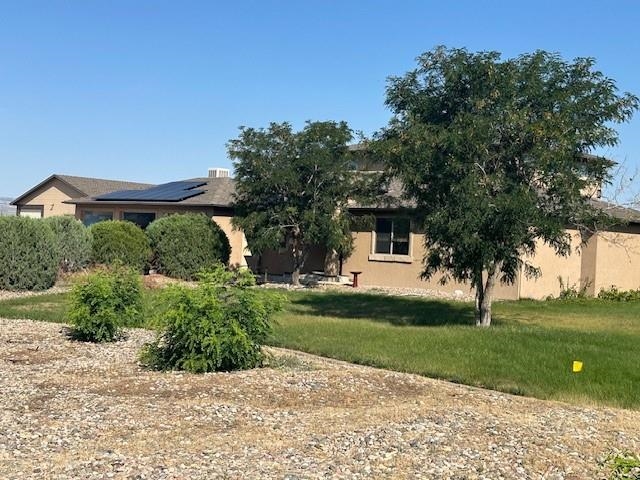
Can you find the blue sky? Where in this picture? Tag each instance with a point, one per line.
(153, 90)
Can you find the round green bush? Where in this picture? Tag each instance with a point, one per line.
(73, 242)
(28, 254)
(119, 242)
(186, 244)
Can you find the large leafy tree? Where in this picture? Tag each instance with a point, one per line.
(492, 152)
(293, 188)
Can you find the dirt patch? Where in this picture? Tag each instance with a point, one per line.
(77, 410)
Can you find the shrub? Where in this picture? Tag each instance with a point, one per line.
(28, 254)
(623, 465)
(73, 242)
(185, 244)
(116, 241)
(219, 325)
(613, 294)
(104, 302)
(571, 291)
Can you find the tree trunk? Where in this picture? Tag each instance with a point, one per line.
(295, 277)
(331, 263)
(479, 285)
(484, 301)
(298, 260)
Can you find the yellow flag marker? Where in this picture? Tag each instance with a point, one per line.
(577, 366)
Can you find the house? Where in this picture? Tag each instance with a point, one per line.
(92, 200)
(388, 254)
(48, 198)
(391, 253)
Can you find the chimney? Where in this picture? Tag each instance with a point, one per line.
(218, 172)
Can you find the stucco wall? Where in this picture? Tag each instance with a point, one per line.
(405, 272)
(51, 196)
(617, 261)
(553, 266)
(237, 241)
(588, 257)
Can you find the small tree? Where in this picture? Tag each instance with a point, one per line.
(493, 153)
(293, 188)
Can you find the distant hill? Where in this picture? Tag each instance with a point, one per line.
(5, 208)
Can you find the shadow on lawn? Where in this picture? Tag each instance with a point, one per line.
(394, 310)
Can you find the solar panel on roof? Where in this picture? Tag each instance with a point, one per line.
(167, 192)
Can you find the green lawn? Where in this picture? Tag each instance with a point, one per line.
(528, 350)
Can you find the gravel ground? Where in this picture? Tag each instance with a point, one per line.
(7, 295)
(459, 295)
(71, 410)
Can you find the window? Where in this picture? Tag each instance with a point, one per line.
(142, 219)
(89, 217)
(33, 211)
(392, 236)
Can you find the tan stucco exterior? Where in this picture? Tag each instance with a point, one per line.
(553, 266)
(51, 197)
(237, 240)
(404, 271)
(606, 259)
(617, 262)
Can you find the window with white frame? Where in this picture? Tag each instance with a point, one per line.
(392, 236)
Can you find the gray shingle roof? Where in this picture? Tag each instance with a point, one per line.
(97, 186)
(619, 212)
(217, 192)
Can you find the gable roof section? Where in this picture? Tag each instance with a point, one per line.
(85, 186)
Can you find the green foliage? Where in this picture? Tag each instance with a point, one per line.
(623, 465)
(572, 292)
(104, 302)
(293, 187)
(73, 242)
(183, 245)
(613, 294)
(492, 152)
(116, 241)
(219, 325)
(28, 254)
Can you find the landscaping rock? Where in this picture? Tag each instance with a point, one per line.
(78, 410)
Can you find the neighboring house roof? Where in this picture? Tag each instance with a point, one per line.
(86, 186)
(619, 212)
(218, 192)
